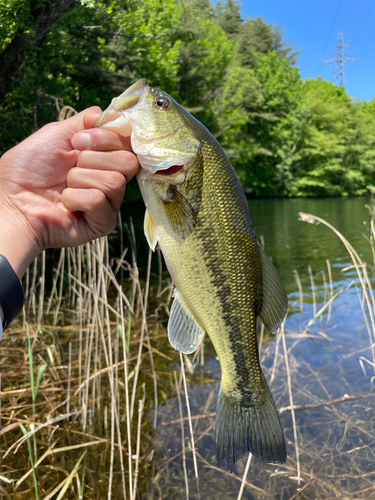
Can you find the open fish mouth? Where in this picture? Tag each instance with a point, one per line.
(170, 171)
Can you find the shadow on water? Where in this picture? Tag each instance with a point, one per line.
(84, 400)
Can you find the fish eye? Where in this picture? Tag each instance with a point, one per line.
(162, 102)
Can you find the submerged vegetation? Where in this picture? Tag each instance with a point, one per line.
(240, 77)
(96, 404)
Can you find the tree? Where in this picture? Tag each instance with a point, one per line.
(255, 116)
(23, 23)
(91, 55)
(228, 17)
(284, 137)
(256, 36)
(337, 149)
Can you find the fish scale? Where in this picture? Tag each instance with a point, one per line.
(199, 216)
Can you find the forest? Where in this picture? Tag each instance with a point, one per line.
(285, 137)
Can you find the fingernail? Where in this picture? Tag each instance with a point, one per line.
(81, 140)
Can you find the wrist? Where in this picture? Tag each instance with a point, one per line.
(17, 243)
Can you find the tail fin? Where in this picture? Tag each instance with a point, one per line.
(256, 429)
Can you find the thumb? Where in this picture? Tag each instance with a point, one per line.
(83, 120)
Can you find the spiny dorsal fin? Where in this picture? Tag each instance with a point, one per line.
(275, 299)
(184, 333)
(150, 230)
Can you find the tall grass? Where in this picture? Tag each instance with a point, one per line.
(92, 350)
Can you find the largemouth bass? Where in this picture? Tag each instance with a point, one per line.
(198, 214)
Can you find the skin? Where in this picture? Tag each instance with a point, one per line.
(62, 187)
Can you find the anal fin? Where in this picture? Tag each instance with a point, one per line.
(184, 333)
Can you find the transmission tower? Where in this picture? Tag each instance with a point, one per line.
(338, 73)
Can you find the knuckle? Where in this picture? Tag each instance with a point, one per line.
(126, 159)
(97, 197)
(116, 180)
(71, 176)
(111, 224)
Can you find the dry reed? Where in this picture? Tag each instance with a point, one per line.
(101, 341)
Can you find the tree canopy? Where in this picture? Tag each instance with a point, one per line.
(284, 136)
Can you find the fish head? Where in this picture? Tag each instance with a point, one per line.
(161, 133)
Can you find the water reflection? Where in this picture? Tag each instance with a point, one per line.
(296, 245)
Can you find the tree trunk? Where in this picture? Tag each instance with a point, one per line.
(44, 18)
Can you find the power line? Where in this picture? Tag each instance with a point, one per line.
(363, 22)
(339, 60)
(330, 33)
(365, 46)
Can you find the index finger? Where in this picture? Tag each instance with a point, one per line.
(100, 139)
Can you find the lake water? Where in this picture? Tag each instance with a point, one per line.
(293, 244)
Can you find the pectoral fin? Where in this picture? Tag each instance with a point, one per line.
(150, 231)
(184, 333)
(275, 300)
(181, 215)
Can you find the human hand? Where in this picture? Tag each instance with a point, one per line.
(53, 195)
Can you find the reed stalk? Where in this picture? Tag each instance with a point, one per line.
(141, 403)
(125, 350)
(289, 380)
(182, 436)
(330, 289)
(31, 456)
(243, 483)
(361, 270)
(312, 284)
(190, 424)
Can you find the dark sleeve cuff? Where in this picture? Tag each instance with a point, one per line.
(11, 293)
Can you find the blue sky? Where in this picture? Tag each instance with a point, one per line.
(313, 27)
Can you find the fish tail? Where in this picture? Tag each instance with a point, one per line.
(254, 428)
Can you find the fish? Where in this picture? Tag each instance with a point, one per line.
(197, 212)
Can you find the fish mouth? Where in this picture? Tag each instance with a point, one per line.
(169, 171)
(124, 102)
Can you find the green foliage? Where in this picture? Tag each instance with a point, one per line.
(336, 154)
(284, 137)
(256, 36)
(228, 17)
(16, 15)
